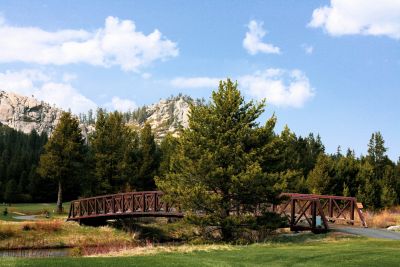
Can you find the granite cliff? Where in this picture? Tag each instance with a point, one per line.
(25, 114)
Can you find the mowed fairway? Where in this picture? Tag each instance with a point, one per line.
(37, 209)
(346, 252)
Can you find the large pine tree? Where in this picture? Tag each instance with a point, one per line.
(218, 165)
(63, 154)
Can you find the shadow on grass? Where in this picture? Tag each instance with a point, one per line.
(157, 230)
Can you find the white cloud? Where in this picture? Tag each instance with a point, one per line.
(195, 82)
(121, 104)
(308, 49)
(68, 77)
(146, 75)
(45, 87)
(253, 40)
(279, 87)
(117, 44)
(366, 17)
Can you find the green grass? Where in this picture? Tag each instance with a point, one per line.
(31, 209)
(342, 252)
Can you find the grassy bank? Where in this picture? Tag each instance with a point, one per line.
(57, 233)
(325, 252)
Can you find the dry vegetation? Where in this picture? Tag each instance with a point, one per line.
(278, 240)
(383, 219)
(151, 250)
(57, 233)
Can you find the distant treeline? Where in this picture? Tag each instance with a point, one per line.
(18, 161)
(117, 158)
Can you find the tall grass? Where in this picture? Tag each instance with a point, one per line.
(56, 234)
(44, 226)
(384, 218)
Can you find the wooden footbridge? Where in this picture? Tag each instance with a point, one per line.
(97, 210)
(303, 211)
(316, 212)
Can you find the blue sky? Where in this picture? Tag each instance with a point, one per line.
(325, 67)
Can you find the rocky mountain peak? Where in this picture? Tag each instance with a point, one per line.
(27, 113)
(169, 115)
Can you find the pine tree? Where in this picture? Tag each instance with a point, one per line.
(369, 192)
(149, 160)
(389, 186)
(10, 191)
(168, 148)
(377, 154)
(290, 154)
(131, 161)
(389, 196)
(320, 178)
(63, 154)
(109, 146)
(346, 170)
(346, 190)
(218, 163)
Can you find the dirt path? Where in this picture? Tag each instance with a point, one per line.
(368, 232)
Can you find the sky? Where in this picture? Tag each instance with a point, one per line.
(327, 67)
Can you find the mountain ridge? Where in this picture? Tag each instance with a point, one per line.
(25, 114)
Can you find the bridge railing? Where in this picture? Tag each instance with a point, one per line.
(304, 213)
(147, 203)
(336, 207)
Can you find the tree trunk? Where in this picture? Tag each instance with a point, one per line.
(59, 198)
(226, 226)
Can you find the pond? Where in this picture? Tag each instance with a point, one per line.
(36, 253)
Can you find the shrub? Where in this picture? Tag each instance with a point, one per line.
(76, 252)
(27, 227)
(49, 226)
(45, 226)
(6, 232)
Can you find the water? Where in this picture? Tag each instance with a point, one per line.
(26, 217)
(36, 253)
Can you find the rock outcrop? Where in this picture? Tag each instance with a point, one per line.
(26, 113)
(169, 116)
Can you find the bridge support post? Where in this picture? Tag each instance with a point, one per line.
(293, 212)
(352, 212)
(314, 214)
(143, 202)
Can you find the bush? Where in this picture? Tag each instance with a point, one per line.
(27, 227)
(45, 226)
(76, 252)
(6, 232)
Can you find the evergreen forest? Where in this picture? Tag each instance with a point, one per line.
(224, 150)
